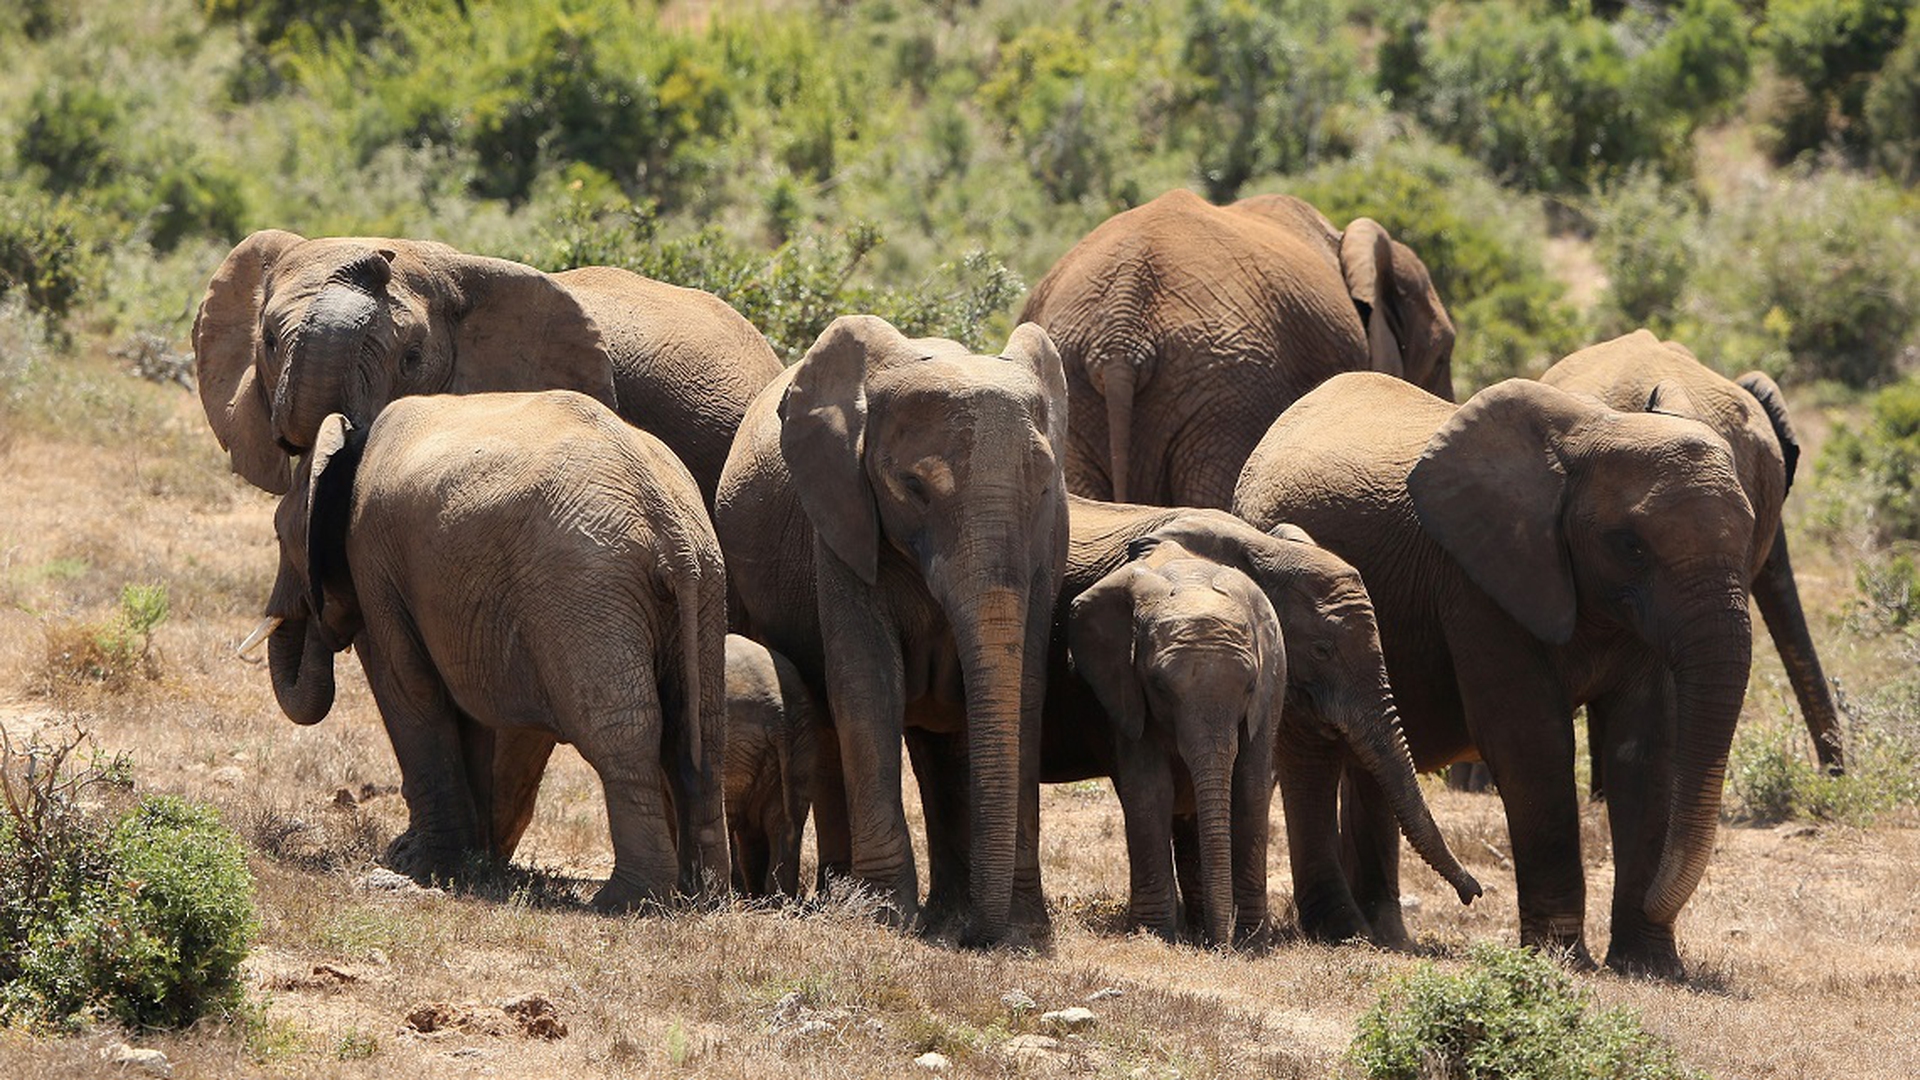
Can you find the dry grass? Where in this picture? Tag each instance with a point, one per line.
(1806, 941)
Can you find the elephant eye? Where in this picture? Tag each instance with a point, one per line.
(915, 486)
(411, 358)
(1322, 650)
(271, 340)
(1629, 547)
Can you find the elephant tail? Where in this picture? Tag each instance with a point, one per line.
(1119, 394)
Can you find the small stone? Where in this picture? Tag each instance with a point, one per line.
(812, 1027)
(933, 1061)
(381, 879)
(1104, 993)
(1018, 1000)
(1033, 1049)
(1409, 902)
(1075, 1018)
(151, 1062)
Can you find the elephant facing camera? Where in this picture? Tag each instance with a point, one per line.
(771, 739)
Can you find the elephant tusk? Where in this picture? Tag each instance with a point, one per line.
(267, 626)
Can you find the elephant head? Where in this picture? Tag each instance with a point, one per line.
(1195, 646)
(942, 467)
(292, 330)
(1339, 703)
(1576, 518)
(1409, 334)
(313, 612)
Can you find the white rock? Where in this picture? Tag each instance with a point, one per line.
(812, 1027)
(151, 1062)
(1076, 1018)
(381, 879)
(1105, 993)
(933, 1061)
(1410, 902)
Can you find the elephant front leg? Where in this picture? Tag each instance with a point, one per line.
(940, 766)
(1370, 839)
(444, 828)
(1630, 726)
(1186, 874)
(1144, 783)
(1252, 807)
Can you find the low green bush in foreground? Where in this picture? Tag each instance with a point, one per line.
(1513, 1014)
(139, 911)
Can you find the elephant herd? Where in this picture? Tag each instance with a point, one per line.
(536, 504)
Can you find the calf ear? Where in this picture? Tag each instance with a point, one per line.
(1270, 689)
(1767, 392)
(1100, 635)
(331, 466)
(823, 425)
(1490, 488)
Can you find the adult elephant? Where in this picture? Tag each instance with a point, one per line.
(1529, 552)
(895, 523)
(1186, 328)
(515, 570)
(293, 329)
(1334, 706)
(1640, 372)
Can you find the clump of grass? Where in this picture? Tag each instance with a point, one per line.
(1513, 1013)
(139, 911)
(114, 652)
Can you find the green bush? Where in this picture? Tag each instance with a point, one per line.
(1644, 239)
(141, 915)
(1513, 1014)
(1893, 113)
(1810, 276)
(1040, 94)
(1829, 50)
(1272, 86)
(1882, 457)
(1480, 243)
(73, 135)
(45, 252)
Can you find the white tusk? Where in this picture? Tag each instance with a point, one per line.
(267, 626)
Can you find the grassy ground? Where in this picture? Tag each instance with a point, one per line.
(1805, 939)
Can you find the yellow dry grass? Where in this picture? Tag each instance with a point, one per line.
(1805, 941)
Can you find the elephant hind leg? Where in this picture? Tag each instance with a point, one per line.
(622, 743)
(1370, 852)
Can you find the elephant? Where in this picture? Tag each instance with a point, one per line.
(1529, 552)
(293, 329)
(771, 718)
(515, 570)
(1186, 328)
(1640, 372)
(1338, 705)
(894, 520)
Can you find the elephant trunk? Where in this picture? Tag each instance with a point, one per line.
(301, 663)
(1381, 748)
(327, 343)
(1119, 395)
(990, 634)
(1778, 597)
(1213, 803)
(1710, 665)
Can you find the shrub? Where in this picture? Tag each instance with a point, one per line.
(1513, 1014)
(45, 253)
(1810, 276)
(1483, 252)
(73, 135)
(1893, 112)
(1881, 459)
(1040, 94)
(1269, 85)
(142, 915)
(1772, 777)
(1829, 49)
(114, 652)
(1644, 239)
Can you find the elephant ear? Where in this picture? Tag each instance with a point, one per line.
(518, 329)
(1366, 260)
(1489, 488)
(1767, 392)
(1100, 636)
(331, 466)
(823, 423)
(226, 347)
(1031, 347)
(1270, 691)
(1292, 533)
(1669, 398)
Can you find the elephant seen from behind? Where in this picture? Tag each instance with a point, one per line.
(1163, 628)
(1186, 328)
(515, 570)
(1529, 552)
(894, 521)
(293, 329)
(771, 719)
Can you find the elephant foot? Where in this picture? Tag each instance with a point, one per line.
(1645, 952)
(1561, 938)
(427, 859)
(1388, 927)
(621, 895)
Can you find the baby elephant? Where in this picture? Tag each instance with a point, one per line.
(770, 740)
(515, 570)
(1186, 656)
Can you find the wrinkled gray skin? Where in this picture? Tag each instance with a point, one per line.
(293, 329)
(1186, 328)
(1529, 552)
(894, 522)
(771, 719)
(1338, 709)
(1639, 372)
(515, 570)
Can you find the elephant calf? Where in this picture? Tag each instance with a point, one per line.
(770, 758)
(1186, 656)
(515, 570)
